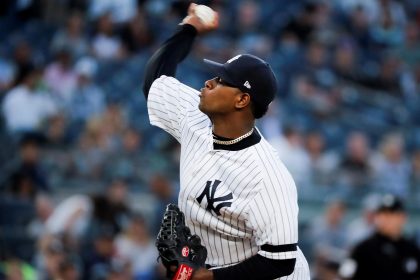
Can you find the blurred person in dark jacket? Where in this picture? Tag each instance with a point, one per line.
(386, 254)
(111, 209)
(25, 176)
(68, 270)
(355, 170)
(98, 258)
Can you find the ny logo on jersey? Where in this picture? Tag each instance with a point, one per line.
(209, 192)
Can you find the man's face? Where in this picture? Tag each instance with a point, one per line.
(390, 223)
(33, 79)
(218, 98)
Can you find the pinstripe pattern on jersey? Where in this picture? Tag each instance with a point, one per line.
(263, 194)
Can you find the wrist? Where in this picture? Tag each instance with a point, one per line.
(189, 28)
(202, 274)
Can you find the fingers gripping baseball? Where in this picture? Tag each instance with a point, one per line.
(203, 18)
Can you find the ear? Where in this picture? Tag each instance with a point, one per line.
(243, 100)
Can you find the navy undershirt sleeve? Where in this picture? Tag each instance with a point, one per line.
(165, 60)
(257, 268)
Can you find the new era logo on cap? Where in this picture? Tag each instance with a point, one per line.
(247, 85)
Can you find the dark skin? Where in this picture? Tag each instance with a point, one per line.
(228, 108)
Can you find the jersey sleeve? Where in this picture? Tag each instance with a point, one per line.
(273, 218)
(168, 104)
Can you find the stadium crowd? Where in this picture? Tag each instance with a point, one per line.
(85, 178)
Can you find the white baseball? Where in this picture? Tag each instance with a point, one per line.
(206, 14)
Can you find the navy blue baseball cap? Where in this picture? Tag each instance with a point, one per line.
(390, 203)
(250, 74)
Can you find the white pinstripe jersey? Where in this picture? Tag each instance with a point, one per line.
(240, 203)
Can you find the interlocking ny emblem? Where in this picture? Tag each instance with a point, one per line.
(209, 192)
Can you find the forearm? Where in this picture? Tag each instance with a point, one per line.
(256, 267)
(203, 274)
(166, 58)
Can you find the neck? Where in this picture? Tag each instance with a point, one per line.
(390, 233)
(232, 126)
(232, 129)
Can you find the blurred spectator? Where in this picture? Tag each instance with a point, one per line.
(100, 139)
(391, 167)
(110, 210)
(294, 156)
(16, 269)
(358, 25)
(287, 54)
(22, 186)
(60, 76)
(136, 245)
(386, 254)
(259, 45)
(88, 157)
(161, 188)
(415, 179)
(330, 240)
(88, 100)
(137, 34)
(346, 61)
(388, 78)
(121, 11)
(25, 176)
(51, 255)
(7, 74)
(409, 52)
(44, 208)
(355, 171)
(23, 56)
(57, 133)
(362, 226)
(29, 9)
(304, 23)
(248, 17)
(369, 7)
(25, 107)
(129, 162)
(105, 44)
(318, 101)
(322, 163)
(102, 262)
(316, 58)
(388, 26)
(71, 217)
(82, 215)
(72, 37)
(119, 270)
(68, 270)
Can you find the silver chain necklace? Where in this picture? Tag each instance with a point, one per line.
(233, 141)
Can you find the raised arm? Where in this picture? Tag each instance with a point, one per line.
(165, 60)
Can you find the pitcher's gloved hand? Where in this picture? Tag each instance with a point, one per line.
(181, 253)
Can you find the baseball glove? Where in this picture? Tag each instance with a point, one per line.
(181, 253)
